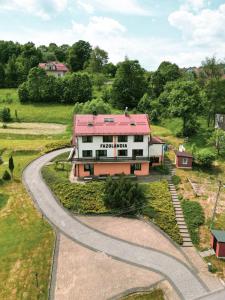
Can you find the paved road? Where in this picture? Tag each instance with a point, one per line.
(187, 284)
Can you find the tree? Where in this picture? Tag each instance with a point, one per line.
(129, 84)
(166, 72)
(6, 175)
(218, 140)
(11, 165)
(205, 157)
(12, 73)
(2, 76)
(110, 69)
(36, 81)
(215, 92)
(151, 107)
(76, 88)
(95, 106)
(124, 195)
(186, 100)
(5, 115)
(78, 55)
(98, 80)
(97, 61)
(211, 68)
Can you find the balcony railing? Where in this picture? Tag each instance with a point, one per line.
(112, 159)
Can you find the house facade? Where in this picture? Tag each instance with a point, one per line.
(114, 144)
(54, 68)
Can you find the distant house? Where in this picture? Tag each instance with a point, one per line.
(54, 68)
(220, 121)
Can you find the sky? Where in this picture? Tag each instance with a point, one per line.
(180, 31)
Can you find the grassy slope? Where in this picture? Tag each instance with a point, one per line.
(154, 295)
(26, 239)
(47, 113)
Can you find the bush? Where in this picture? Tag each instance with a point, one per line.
(79, 198)
(95, 106)
(6, 176)
(176, 180)
(123, 194)
(205, 157)
(163, 169)
(5, 115)
(160, 209)
(194, 217)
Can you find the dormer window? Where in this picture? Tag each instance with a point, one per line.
(108, 120)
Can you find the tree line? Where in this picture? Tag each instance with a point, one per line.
(16, 60)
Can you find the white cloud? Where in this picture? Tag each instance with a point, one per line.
(194, 5)
(128, 7)
(205, 28)
(40, 8)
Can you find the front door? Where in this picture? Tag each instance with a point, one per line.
(214, 244)
(91, 170)
(132, 169)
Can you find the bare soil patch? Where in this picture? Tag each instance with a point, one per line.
(33, 128)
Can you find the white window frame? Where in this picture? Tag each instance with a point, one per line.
(185, 161)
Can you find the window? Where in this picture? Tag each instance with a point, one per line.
(87, 153)
(122, 152)
(87, 139)
(108, 120)
(138, 138)
(185, 161)
(138, 152)
(154, 159)
(100, 153)
(122, 138)
(87, 167)
(136, 167)
(107, 139)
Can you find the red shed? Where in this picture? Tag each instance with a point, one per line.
(183, 159)
(218, 242)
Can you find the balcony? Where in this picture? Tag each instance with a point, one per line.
(111, 159)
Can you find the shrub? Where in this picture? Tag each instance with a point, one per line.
(123, 194)
(55, 145)
(6, 176)
(194, 217)
(176, 180)
(160, 209)
(5, 115)
(163, 169)
(205, 157)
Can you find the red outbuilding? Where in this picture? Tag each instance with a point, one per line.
(218, 242)
(183, 159)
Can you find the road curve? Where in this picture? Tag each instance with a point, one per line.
(187, 284)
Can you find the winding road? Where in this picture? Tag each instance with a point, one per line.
(184, 280)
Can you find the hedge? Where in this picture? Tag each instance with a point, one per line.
(160, 209)
(194, 217)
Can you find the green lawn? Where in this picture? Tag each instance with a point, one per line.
(26, 239)
(46, 113)
(154, 295)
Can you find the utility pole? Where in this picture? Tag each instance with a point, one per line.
(216, 202)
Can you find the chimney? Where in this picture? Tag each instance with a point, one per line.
(126, 111)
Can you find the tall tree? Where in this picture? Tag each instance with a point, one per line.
(186, 100)
(12, 75)
(2, 76)
(78, 55)
(97, 61)
(11, 165)
(129, 85)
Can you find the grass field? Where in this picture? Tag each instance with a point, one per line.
(46, 113)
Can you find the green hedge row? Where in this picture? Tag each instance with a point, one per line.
(160, 209)
(194, 217)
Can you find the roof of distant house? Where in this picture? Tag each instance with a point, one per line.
(219, 235)
(156, 140)
(111, 125)
(58, 66)
(183, 154)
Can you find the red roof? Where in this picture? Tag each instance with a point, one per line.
(111, 125)
(156, 140)
(59, 66)
(183, 154)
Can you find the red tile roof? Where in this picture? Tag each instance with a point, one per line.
(156, 140)
(183, 154)
(119, 125)
(59, 66)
